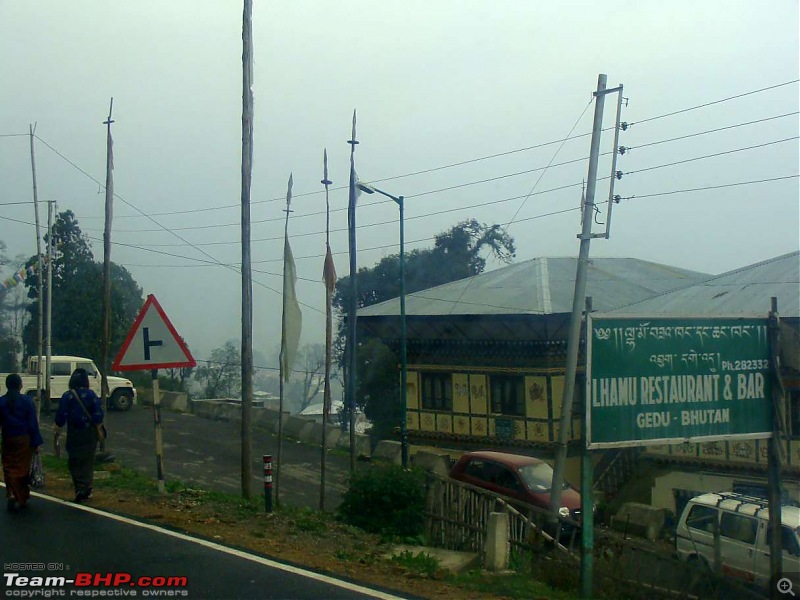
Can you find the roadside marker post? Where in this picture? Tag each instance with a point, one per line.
(267, 483)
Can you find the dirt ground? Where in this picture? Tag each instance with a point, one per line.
(298, 537)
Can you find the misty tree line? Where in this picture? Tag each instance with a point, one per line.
(459, 252)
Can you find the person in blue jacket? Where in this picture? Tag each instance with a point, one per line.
(81, 410)
(21, 438)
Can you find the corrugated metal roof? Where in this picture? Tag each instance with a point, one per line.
(542, 286)
(745, 291)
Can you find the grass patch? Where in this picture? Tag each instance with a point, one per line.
(306, 520)
(513, 585)
(420, 564)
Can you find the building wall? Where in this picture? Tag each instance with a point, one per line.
(690, 483)
(471, 413)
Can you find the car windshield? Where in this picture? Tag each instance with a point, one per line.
(538, 477)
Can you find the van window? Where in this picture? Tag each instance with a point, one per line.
(738, 527)
(60, 368)
(788, 540)
(702, 518)
(88, 366)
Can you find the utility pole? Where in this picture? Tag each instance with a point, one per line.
(247, 275)
(49, 315)
(573, 340)
(43, 402)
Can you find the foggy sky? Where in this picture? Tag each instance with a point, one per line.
(434, 83)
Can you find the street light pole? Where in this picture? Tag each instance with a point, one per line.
(371, 189)
(403, 355)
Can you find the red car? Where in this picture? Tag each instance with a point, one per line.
(523, 478)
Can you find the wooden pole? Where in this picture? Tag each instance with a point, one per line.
(284, 363)
(107, 264)
(352, 309)
(247, 276)
(43, 402)
(329, 282)
(48, 323)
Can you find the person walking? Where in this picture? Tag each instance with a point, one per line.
(81, 410)
(21, 438)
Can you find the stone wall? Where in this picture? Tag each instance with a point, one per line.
(295, 427)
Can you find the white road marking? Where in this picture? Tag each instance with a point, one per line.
(353, 587)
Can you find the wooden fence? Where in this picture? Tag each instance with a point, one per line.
(457, 519)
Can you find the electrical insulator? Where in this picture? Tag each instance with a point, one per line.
(624, 126)
(617, 198)
(619, 174)
(622, 150)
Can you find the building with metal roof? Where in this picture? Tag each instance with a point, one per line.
(742, 292)
(526, 301)
(486, 357)
(486, 353)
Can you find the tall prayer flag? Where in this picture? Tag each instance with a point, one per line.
(292, 317)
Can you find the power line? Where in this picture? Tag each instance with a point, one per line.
(683, 110)
(214, 261)
(540, 216)
(707, 131)
(522, 204)
(680, 162)
(151, 218)
(710, 187)
(219, 263)
(460, 163)
(435, 213)
(543, 169)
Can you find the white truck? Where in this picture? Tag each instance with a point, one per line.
(122, 394)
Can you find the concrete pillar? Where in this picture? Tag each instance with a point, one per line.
(497, 542)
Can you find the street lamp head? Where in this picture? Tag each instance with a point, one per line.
(365, 187)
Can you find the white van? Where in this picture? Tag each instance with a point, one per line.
(744, 536)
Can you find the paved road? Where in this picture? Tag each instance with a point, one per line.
(55, 539)
(208, 453)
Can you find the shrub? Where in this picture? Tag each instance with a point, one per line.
(388, 500)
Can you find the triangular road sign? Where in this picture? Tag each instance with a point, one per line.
(152, 342)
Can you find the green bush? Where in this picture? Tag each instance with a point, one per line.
(388, 500)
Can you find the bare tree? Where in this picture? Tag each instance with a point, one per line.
(312, 359)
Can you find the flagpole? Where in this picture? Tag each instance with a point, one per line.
(352, 309)
(247, 274)
(329, 275)
(283, 373)
(109, 211)
(107, 261)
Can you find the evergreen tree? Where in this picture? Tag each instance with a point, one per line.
(457, 253)
(77, 309)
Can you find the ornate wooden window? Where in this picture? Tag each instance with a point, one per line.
(437, 391)
(507, 393)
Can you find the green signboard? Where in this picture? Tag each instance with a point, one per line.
(671, 380)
